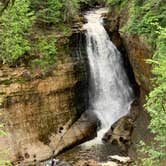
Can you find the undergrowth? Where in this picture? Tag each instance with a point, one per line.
(147, 18)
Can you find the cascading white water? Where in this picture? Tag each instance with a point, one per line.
(110, 93)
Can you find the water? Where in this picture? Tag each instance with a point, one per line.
(110, 93)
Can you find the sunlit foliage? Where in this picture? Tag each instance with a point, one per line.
(14, 25)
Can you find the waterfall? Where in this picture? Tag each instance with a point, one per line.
(110, 93)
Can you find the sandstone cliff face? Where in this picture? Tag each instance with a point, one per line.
(37, 111)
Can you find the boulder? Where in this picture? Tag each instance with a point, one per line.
(83, 129)
(120, 132)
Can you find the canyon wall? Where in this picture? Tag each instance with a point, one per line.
(37, 110)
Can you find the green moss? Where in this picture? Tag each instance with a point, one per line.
(2, 93)
(65, 29)
(21, 80)
(6, 82)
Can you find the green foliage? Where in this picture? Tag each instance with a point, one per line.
(19, 16)
(70, 9)
(149, 20)
(146, 18)
(58, 11)
(47, 11)
(55, 11)
(156, 103)
(86, 4)
(46, 50)
(118, 3)
(113, 2)
(5, 163)
(66, 30)
(15, 22)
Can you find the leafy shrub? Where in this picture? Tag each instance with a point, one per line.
(118, 3)
(47, 11)
(55, 11)
(156, 104)
(46, 50)
(70, 9)
(15, 22)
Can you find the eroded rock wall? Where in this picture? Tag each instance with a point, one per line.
(37, 111)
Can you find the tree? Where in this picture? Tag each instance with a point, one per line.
(47, 11)
(15, 22)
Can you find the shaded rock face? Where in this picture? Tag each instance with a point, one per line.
(38, 111)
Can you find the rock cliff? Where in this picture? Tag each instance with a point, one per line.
(37, 110)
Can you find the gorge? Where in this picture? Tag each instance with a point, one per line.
(110, 96)
(97, 85)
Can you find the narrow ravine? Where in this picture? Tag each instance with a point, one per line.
(110, 93)
(82, 83)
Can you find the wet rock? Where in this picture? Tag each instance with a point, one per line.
(135, 110)
(95, 163)
(120, 159)
(78, 23)
(120, 132)
(36, 110)
(54, 162)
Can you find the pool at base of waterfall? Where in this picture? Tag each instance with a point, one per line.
(97, 152)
